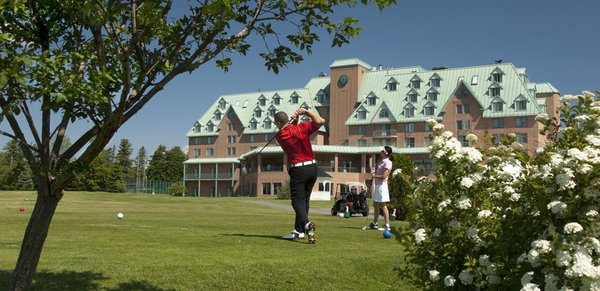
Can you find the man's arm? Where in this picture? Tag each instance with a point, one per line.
(316, 118)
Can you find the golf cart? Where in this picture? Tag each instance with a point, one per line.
(352, 195)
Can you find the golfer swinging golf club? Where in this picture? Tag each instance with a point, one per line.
(294, 139)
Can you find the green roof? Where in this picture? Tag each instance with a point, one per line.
(212, 161)
(477, 80)
(245, 105)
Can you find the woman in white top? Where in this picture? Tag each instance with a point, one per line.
(381, 196)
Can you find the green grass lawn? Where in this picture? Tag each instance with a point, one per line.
(175, 243)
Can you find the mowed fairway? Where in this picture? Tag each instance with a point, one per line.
(175, 243)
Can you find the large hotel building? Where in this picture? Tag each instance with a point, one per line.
(365, 107)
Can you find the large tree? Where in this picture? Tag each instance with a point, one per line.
(99, 62)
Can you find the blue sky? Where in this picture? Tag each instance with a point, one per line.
(556, 40)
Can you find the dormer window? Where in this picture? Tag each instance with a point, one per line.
(362, 114)
(434, 81)
(432, 95)
(497, 75)
(497, 105)
(322, 97)
(305, 106)
(272, 111)
(197, 127)
(210, 127)
(429, 110)
(521, 103)
(257, 112)
(384, 113)
(372, 100)
(222, 104)
(409, 111)
(392, 85)
(253, 124)
(267, 123)
(295, 98)
(218, 115)
(415, 82)
(413, 96)
(276, 99)
(495, 90)
(262, 101)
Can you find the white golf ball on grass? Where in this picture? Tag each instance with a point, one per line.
(120, 215)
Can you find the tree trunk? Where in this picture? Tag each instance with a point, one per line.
(33, 241)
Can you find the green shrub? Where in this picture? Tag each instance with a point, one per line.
(401, 185)
(503, 220)
(284, 192)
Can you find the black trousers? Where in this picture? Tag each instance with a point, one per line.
(302, 180)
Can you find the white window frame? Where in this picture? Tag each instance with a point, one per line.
(409, 142)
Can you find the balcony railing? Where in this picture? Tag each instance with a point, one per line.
(272, 168)
(382, 133)
(209, 176)
(349, 169)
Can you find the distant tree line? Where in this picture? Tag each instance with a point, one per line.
(109, 172)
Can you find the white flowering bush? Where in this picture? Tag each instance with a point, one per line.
(502, 219)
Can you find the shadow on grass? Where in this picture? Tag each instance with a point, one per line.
(277, 237)
(68, 280)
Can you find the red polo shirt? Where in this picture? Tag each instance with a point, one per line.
(295, 141)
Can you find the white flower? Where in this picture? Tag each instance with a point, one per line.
(431, 122)
(527, 277)
(514, 197)
(593, 139)
(472, 233)
(465, 277)
(563, 259)
(453, 223)
(564, 180)
(557, 207)
(438, 127)
(420, 235)
(512, 170)
(449, 281)
(437, 232)
(484, 260)
(472, 154)
(573, 227)
(543, 246)
(494, 279)
(550, 281)
(530, 287)
(397, 172)
(466, 182)
(434, 275)
(577, 154)
(483, 214)
(447, 134)
(583, 265)
(591, 214)
(462, 202)
(443, 204)
(533, 257)
(542, 117)
(522, 258)
(471, 138)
